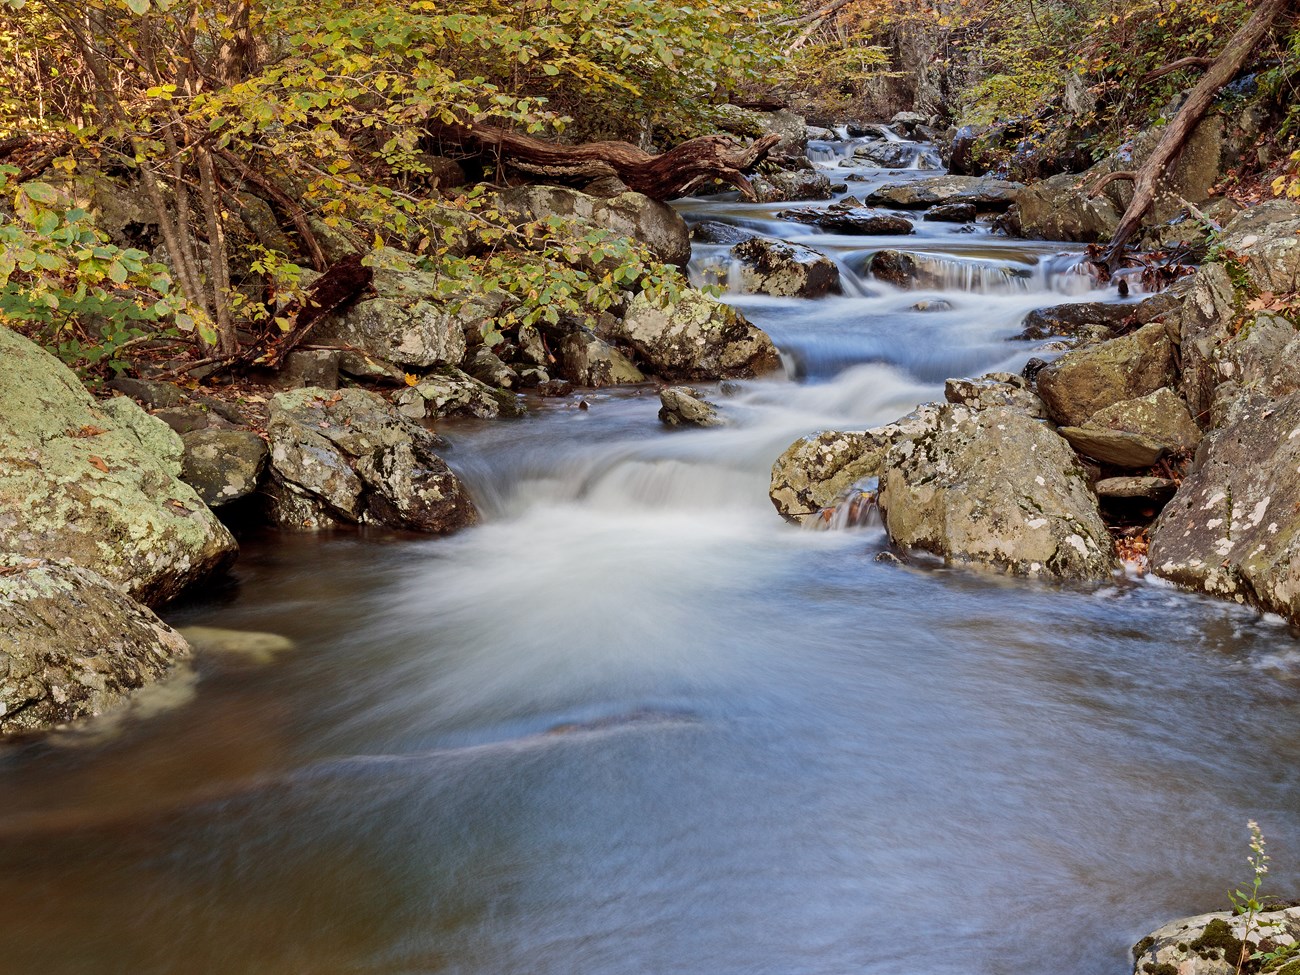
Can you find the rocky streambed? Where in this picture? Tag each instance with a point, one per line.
(633, 721)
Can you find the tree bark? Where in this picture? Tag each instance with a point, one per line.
(1162, 158)
(669, 174)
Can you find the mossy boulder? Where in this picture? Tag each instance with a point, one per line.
(694, 337)
(1213, 944)
(96, 484)
(588, 360)
(997, 489)
(72, 644)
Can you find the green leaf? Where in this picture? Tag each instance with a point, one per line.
(40, 193)
(139, 7)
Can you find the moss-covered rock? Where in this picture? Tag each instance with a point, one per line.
(1213, 944)
(72, 644)
(96, 484)
(1081, 382)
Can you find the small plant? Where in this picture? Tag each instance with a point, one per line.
(1246, 900)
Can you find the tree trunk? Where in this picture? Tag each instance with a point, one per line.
(669, 174)
(1224, 69)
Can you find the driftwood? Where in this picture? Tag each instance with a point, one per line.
(1162, 158)
(669, 174)
(341, 283)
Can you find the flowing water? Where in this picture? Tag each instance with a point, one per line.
(634, 723)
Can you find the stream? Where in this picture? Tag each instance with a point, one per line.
(635, 723)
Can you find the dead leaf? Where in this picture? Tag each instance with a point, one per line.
(87, 431)
(98, 462)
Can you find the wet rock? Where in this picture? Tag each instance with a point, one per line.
(1002, 389)
(1212, 944)
(588, 360)
(223, 465)
(655, 224)
(1086, 380)
(997, 489)
(72, 644)
(1231, 528)
(712, 232)
(774, 267)
(791, 187)
(682, 406)
(864, 221)
(983, 192)
(1132, 451)
(933, 304)
(1158, 489)
(817, 472)
(97, 484)
(454, 393)
(887, 153)
(695, 337)
(485, 366)
(349, 456)
(893, 267)
(952, 213)
(1073, 319)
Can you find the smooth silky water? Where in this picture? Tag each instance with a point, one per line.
(634, 723)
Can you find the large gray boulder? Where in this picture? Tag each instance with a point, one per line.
(819, 471)
(97, 484)
(349, 456)
(694, 337)
(985, 192)
(1213, 944)
(72, 644)
(1086, 380)
(1233, 528)
(995, 488)
(774, 267)
(655, 224)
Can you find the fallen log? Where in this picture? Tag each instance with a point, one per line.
(1147, 178)
(661, 177)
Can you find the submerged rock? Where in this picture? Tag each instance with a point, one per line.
(97, 484)
(250, 645)
(774, 267)
(997, 489)
(694, 337)
(350, 456)
(72, 644)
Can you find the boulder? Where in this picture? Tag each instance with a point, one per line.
(819, 471)
(995, 488)
(455, 393)
(1213, 944)
(349, 456)
(1161, 415)
(588, 360)
(774, 267)
(788, 186)
(888, 153)
(73, 644)
(650, 222)
(1233, 528)
(310, 367)
(1074, 319)
(1267, 238)
(223, 465)
(693, 337)
(1058, 209)
(1132, 451)
(952, 213)
(97, 484)
(984, 192)
(862, 221)
(713, 232)
(485, 366)
(1083, 381)
(411, 322)
(995, 389)
(682, 406)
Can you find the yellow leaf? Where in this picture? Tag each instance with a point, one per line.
(411, 379)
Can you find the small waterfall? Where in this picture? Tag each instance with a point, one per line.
(859, 508)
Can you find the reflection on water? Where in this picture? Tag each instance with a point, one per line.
(634, 723)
